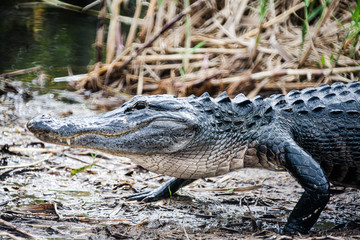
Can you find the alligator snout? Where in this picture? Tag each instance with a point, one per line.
(40, 124)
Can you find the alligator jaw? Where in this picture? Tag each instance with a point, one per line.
(155, 134)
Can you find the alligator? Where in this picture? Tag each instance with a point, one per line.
(314, 134)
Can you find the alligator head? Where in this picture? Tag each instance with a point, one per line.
(180, 137)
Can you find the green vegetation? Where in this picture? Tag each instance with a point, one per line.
(170, 192)
(192, 51)
(352, 33)
(75, 171)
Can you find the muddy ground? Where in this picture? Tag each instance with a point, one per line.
(45, 201)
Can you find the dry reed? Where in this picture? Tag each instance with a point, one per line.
(239, 52)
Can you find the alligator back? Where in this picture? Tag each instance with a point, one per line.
(325, 122)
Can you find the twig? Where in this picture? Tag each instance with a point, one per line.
(11, 236)
(187, 38)
(54, 217)
(20, 72)
(93, 4)
(196, 64)
(258, 87)
(140, 85)
(200, 75)
(156, 58)
(149, 19)
(283, 53)
(263, 10)
(38, 150)
(80, 160)
(111, 39)
(133, 27)
(240, 189)
(283, 72)
(57, 212)
(57, 3)
(16, 229)
(186, 235)
(227, 41)
(216, 50)
(27, 165)
(100, 31)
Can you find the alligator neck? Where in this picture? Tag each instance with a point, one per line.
(225, 142)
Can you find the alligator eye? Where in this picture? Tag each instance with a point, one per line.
(139, 105)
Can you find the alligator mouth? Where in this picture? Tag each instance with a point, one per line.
(53, 131)
(77, 136)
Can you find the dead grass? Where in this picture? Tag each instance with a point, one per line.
(241, 53)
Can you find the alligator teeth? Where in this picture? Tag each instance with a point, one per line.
(68, 141)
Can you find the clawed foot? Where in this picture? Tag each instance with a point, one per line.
(147, 196)
(291, 229)
(162, 192)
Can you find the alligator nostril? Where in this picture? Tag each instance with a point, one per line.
(29, 125)
(38, 123)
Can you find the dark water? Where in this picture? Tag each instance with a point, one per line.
(51, 37)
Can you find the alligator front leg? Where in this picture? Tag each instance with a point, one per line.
(312, 178)
(162, 192)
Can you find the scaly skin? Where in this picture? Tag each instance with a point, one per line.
(314, 134)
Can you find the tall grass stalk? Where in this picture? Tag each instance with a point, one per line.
(187, 38)
(262, 13)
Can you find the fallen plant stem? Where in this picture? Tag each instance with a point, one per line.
(38, 150)
(113, 28)
(55, 217)
(12, 227)
(93, 4)
(99, 44)
(240, 189)
(27, 165)
(20, 72)
(9, 236)
(133, 27)
(283, 72)
(317, 72)
(80, 160)
(74, 8)
(185, 232)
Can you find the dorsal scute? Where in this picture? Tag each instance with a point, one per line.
(258, 99)
(242, 104)
(278, 100)
(336, 84)
(224, 102)
(241, 100)
(205, 95)
(293, 94)
(310, 91)
(354, 85)
(223, 98)
(324, 88)
(338, 88)
(205, 98)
